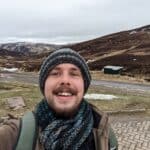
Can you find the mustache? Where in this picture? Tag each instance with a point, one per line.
(65, 88)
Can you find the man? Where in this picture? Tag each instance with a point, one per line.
(65, 120)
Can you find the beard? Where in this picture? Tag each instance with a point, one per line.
(64, 110)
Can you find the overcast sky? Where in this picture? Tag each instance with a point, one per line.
(67, 21)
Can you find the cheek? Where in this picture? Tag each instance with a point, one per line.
(48, 87)
(80, 86)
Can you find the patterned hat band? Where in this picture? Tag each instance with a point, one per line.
(65, 55)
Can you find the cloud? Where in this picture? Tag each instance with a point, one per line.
(84, 19)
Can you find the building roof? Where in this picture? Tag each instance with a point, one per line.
(113, 67)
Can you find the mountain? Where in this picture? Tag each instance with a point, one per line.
(130, 49)
(27, 49)
(27, 56)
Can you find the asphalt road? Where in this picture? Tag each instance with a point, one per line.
(123, 85)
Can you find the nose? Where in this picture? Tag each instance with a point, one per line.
(65, 79)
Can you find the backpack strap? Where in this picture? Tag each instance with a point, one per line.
(113, 143)
(28, 133)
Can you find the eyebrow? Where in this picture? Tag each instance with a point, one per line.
(55, 68)
(72, 68)
(75, 68)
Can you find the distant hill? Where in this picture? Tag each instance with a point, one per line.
(25, 48)
(130, 49)
(24, 55)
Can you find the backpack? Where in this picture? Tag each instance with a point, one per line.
(29, 132)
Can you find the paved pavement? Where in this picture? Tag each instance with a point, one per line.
(132, 134)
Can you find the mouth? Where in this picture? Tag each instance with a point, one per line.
(64, 94)
(64, 97)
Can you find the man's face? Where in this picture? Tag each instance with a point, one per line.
(64, 89)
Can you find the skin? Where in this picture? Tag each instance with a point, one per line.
(64, 89)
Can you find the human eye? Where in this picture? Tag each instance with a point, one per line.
(54, 73)
(75, 73)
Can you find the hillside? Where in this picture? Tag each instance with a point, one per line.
(26, 56)
(130, 49)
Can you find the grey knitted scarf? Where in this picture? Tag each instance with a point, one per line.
(61, 133)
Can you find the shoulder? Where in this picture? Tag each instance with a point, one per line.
(103, 128)
(8, 133)
(10, 124)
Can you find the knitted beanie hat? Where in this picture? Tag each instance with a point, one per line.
(65, 55)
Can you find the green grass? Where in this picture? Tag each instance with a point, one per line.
(30, 93)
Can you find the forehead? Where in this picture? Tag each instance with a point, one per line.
(66, 66)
